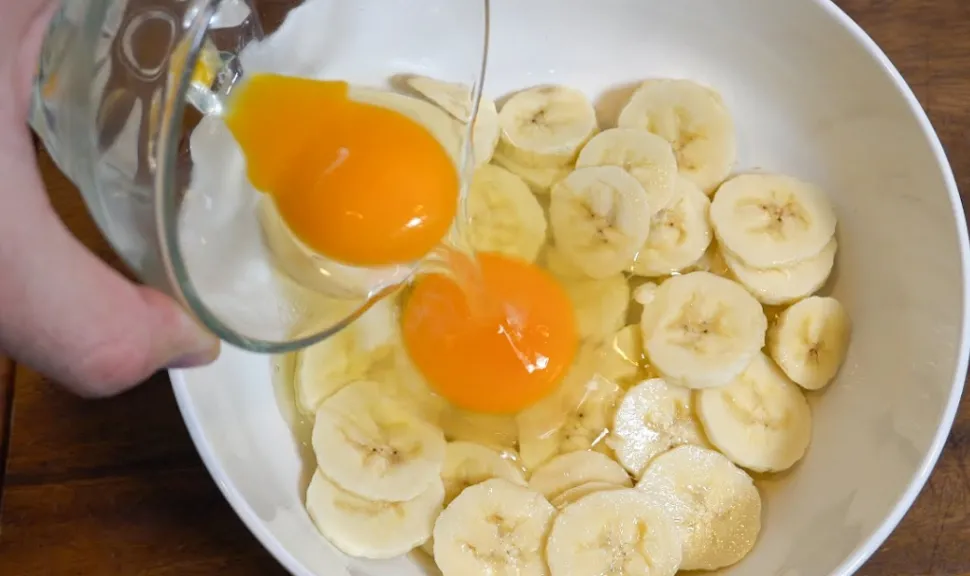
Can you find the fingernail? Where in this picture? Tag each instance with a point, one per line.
(198, 346)
(193, 360)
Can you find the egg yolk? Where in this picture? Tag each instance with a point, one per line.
(359, 183)
(501, 357)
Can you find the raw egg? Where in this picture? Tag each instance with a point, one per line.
(496, 345)
(361, 184)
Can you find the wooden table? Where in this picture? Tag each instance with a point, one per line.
(115, 487)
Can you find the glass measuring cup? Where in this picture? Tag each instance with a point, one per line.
(127, 101)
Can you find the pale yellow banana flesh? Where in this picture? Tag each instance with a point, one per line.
(627, 415)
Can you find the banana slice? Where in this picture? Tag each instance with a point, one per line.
(576, 494)
(643, 295)
(712, 261)
(570, 470)
(652, 418)
(373, 446)
(540, 180)
(364, 350)
(779, 286)
(809, 341)
(503, 216)
(646, 156)
(495, 527)
(601, 306)
(559, 265)
(694, 119)
(701, 330)
(452, 97)
(714, 503)
(576, 417)
(614, 532)
(761, 421)
(372, 529)
(679, 234)
(600, 218)
(545, 126)
(769, 220)
(485, 132)
(620, 358)
(407, 386)
(456, 100)
(467, 464)
(498, 431)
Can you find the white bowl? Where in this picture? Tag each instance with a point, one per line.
(812, 96)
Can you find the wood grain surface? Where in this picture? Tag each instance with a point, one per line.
(115, 487)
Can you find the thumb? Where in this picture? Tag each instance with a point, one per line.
(66, 313)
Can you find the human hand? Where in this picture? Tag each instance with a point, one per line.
(62, 311)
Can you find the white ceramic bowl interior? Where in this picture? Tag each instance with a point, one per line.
(813, 97)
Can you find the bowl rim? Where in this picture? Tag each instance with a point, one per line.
(861, 553)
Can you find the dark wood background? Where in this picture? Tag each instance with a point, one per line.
(115, 487)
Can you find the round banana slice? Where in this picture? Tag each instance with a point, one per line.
(374, 446)
(679, 234)
(499, 431)
(575, 417)
(495, 527)
(779, 286)
(769, 220)
(502, 215)
(643, 295)
(576, 494)
(456, 100)
(696, 122)
(600, 218)
(646, 156)
(809, 341)
(601, 306)
(467, 464)
(540, 180)
(372, 529)
(620, 357)
(453, 97)
(614, 532)
(559, 265)
(701, 330)
(712, 261)
(570, 470)
(761, 420)
(364, 350)
(407, 386)
(652, 418)
(545, 126)
(485, 132)
(714, 503)
(578, 415)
